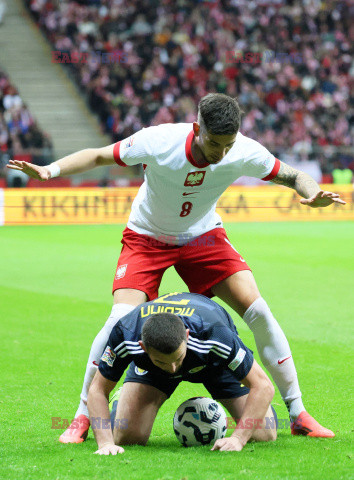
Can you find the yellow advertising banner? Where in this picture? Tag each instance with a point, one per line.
(268, 204)
(49, 206)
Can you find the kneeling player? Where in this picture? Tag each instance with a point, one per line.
(173, 338)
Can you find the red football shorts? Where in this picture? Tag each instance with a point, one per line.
(201, 263)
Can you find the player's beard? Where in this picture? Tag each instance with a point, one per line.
(214, 161)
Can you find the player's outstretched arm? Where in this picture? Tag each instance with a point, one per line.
(97, 403)
(256, 406)
(305, 186)
(75, 163)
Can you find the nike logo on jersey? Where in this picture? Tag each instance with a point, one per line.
(282, 361)
(190, 193)
(95, 363)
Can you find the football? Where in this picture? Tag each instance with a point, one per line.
(199, 421)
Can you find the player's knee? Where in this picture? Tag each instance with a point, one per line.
(272, 435)
(133, 434)
(131, 440)
(267, 432)
(267, 435)
(130, 437)
(119, 310)
(258, 310)
(269, 427)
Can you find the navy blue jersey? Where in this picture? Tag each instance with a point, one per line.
(213, 340)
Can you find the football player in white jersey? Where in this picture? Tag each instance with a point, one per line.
(173, 223)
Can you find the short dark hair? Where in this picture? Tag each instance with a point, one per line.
(220, 114)
(164, 332)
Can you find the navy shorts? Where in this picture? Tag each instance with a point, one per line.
(219, 383)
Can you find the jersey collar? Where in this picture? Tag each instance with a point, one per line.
(189, 155)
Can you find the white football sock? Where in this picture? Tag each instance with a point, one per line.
(119, 310)
(274, 350)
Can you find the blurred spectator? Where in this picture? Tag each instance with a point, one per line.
(165, 55)
(16, 179)
(20, 136)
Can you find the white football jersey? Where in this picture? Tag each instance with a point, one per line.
(178, 198)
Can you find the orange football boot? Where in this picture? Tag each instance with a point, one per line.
(77, 431)
(307, 425)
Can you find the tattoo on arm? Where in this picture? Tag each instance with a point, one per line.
(304, 185)
(286, 176)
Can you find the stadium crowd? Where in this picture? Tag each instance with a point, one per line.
(20, 135)
(145, 62)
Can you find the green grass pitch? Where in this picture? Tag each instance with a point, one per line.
(55, 296)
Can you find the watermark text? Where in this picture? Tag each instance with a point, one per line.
(256, 58)
(258, 423)
(97, 423)
(85, 57)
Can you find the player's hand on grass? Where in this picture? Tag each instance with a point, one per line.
(34, 171)
(230, 444)
(322, 199)
(110, 449)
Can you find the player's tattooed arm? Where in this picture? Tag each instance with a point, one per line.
(306, 186)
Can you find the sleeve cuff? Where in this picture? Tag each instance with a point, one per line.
(116, 155)
(274, 172)
(104, 374)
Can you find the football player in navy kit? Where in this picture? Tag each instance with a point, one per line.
(179, 336)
